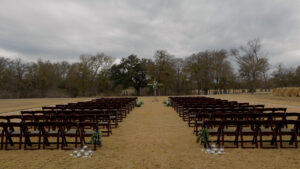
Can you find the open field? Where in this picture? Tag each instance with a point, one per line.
(11, 105)
(154, 136)
(292, 103)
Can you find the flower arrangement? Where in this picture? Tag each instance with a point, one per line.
(203, 136)
(167, 103)
(96, 137)
(138, 103)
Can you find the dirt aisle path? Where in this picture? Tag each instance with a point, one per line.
(153, 136)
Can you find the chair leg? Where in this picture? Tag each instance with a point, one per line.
(25, 143)
(255, 139)
(62, 142)
(6, 141)
(280, 139)
(44, 142)
(237, 140)
(223, 139)
(39, 144)
(76, 141)
(261, 141)
(20, 144)
(57, 142)
(296, 142)
(242, 141)
(275, 139)
(2, 141)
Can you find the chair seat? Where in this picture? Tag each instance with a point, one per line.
(247, 130)
(199, 122)
(88, 132)
(266, 130)
(212, 130)
(228, 130)
(34, 132)
(71, 132)
(286, 130)
(52, 132)
(15, 132)
(103, 122)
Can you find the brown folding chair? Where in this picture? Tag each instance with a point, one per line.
(288, 128)
(3, 129)
(50, 130)
(14, 129)
(230, 128)
(32, 129)
(69, 129)
(87, 129)
(214, 129)
(103, 122)
(268, 128)
(249, 128)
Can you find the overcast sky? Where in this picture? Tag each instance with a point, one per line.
(62, 30)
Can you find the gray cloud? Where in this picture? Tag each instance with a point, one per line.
(64, 29)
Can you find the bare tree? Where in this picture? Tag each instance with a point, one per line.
(252, 63)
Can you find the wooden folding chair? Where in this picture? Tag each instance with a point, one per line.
(3, 129)
(268, 128)
(32, 129)
(214, 129)
(50, 130)
(14, 129)
(249, 128)
(103, 122)
(69, 129)
(230, 128)
(288, 128)
(87, 129)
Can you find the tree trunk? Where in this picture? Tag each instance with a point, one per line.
(138, 91)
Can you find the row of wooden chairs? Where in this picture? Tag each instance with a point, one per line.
(256, 130)
(230, 118)
(61, 121)
(44, 131)
(193, 112)
(112, 117)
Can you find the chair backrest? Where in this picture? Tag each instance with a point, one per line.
(84, 125)
(292, 116)
(231, 123)
(14, 126)
(14, 118)
(268, 123)
(48, 126)
(69, 125)
(213, 123)
(291, 124)
(3, 127)
(3, 119)
(31, 126)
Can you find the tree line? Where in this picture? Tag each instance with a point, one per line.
(95, 75)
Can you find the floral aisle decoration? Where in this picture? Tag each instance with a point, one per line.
(96, 137)
(139, 103)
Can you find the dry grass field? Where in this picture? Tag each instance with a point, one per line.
(292, 103)
(11, 105)
(154, 136)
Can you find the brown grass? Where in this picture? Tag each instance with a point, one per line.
(11, 105)
(154, 136)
